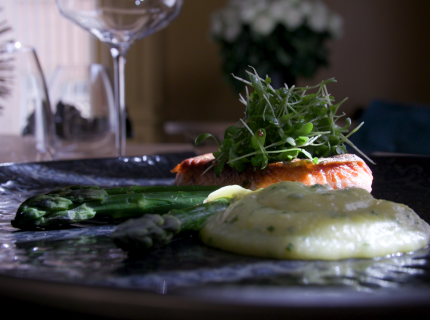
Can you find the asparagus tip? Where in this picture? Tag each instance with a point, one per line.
(146, 232)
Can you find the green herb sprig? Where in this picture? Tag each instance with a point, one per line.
(282, 125)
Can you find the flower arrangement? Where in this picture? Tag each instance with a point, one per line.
(284, 39)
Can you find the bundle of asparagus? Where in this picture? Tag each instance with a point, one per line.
(164, 211)
(78, 203)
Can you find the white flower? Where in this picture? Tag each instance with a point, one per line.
(277, 9)
(229, 16)
(226, 24)
(293, 18)
(249, 10)
(318, 17)
(232, 31)
(335, 26)
(305, 8)
(247, 14)
(263, 24)
(216, 24)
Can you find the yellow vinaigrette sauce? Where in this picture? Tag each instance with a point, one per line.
(290, 220)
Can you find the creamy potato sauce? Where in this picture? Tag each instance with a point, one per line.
(289, 220)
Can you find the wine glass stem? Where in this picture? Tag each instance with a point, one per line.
(119, 59)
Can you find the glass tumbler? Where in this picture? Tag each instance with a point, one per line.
(84, 111)
(26, 121)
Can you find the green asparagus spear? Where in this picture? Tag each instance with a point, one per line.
(78, 203)
(153, 230)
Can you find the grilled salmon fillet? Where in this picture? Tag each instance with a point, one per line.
(340, 171)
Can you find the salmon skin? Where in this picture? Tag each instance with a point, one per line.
(341, 171)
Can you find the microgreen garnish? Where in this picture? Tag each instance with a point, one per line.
(281, 125)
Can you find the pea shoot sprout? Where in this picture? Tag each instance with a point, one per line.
(282, 125)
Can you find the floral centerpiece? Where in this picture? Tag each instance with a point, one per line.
(284, 39)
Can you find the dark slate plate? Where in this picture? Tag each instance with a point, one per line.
(80, 270)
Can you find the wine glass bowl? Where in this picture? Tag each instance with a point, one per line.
(119, 23)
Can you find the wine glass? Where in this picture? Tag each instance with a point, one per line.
(119, 23)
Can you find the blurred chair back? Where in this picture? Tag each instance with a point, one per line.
(395, 128)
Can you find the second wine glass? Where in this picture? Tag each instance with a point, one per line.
(83, 104)
(119, 23)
